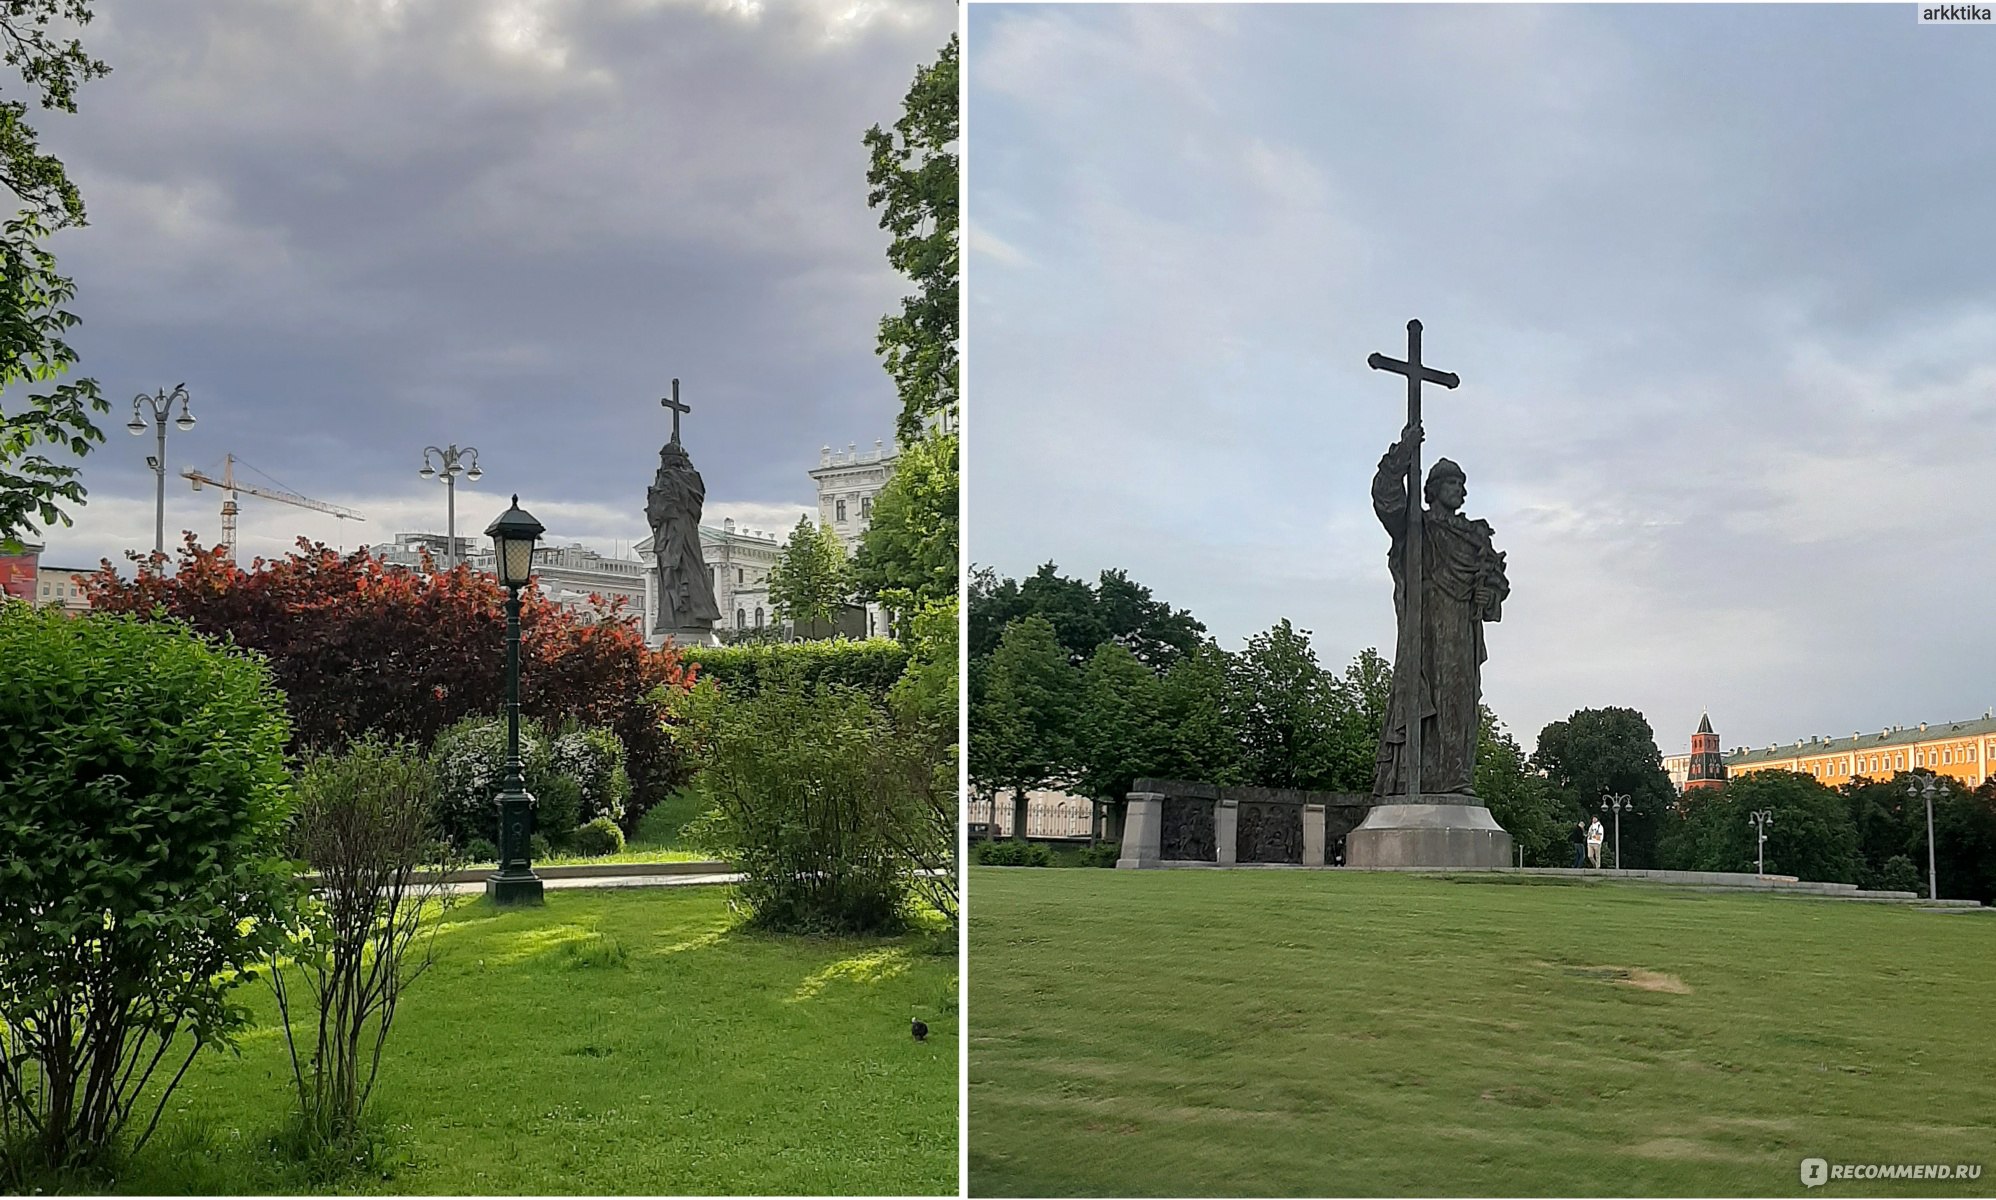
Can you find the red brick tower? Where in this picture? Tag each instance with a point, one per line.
(1708, 767)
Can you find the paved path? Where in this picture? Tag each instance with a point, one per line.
(477, 887)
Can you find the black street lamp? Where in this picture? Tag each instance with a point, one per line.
(161, 404)
(513, 536)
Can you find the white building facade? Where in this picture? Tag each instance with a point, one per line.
(568, 575)
(848, 484)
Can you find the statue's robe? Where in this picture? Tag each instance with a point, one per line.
(1438, 668)
(672, 506)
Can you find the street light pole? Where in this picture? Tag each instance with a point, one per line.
(513, 535)
(160, 404)
(1925, 786)
(1761, 819)
(1618, 801)
(449, 459)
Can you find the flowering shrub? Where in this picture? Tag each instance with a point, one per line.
(468, 760)
(576, 777)
(594, 759)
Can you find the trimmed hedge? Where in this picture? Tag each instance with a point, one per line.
(872, 665)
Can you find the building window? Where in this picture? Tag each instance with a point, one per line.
(758, 616)
(865, 508)
(840, 508)
(738, 575)
(741, 619)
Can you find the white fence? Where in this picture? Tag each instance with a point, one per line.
(1048, 815)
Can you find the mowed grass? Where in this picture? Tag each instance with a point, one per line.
(1188, 1033)
(628, 1041)
(660, 838)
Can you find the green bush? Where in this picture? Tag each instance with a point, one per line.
(601, 836)
(143, 798)
(557, 806)
(1103, 854)
(789, 773)
(872, 666)
(575, 776)
(364, 823)
(594, 759)
(539, 848)
(1010, 853)
(468, 759)
(479, 850)
(1900, 875)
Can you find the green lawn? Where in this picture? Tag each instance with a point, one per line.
(531, 1060)
(1293, 1033)
(660, 838)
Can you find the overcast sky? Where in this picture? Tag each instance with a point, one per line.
(358, 227)
(1720, 283)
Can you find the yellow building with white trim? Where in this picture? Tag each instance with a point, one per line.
(1962, 750)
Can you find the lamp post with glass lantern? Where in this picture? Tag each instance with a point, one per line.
(1761, 819)
(1617, 801)
(451, 458)
(513, 535)
(160, 404)
(1924, 787)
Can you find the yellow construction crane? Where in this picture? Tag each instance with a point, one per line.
(230, 487)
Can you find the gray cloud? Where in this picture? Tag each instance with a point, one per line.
(1717, 281)
(361, 226)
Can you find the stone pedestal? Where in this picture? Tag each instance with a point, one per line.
(1440, 831)
(694, 636)
(1313, 835)
(1143, 830)
(1226, 832)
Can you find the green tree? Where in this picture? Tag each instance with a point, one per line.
(1599, 751)
(1964, 843)
(1810, 836)
(1116, 609)
(1120, 735)
(1200, 741)
(1298, 729)
(913, 179)
(1022, 728)
(1518, 796)
(33, 322)
(1369, 686)
(1889, 824)
(908, 554)
(1151, 630)
(811, 581)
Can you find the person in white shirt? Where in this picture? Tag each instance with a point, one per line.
(1595, 834)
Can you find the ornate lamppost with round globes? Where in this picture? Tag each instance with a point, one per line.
(454, 461)
(513, 536)
(160, 404)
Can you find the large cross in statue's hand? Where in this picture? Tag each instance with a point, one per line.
(678, 408)
(1416, 374)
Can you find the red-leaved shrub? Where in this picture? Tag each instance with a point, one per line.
(359, 645)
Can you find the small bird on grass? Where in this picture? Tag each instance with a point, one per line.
(920, 1029)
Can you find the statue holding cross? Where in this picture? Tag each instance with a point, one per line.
(686, 608)
(677, 408)
(1448, 580)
